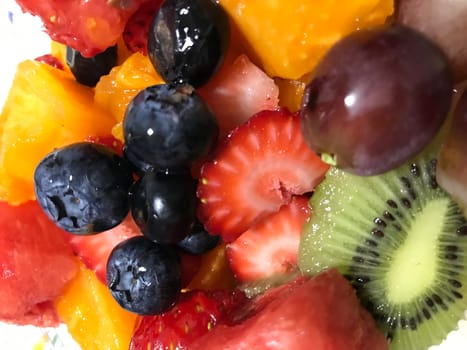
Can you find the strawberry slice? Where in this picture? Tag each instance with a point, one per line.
(271, 246)
(135, 34)
(194, 315)
(262, 164)
(94, 250)
(239, 90)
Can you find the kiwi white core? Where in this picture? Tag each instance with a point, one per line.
(413, 268)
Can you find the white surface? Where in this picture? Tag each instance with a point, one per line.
(24, 40)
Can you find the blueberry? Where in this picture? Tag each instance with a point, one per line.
(88, 70)
(188, 39)
(164, 206)
(84, 187)
(144, 277)
(199, 241)
(168, 126)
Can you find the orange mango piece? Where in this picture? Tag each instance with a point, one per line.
(58, 50)
(289, 37)
(94, 319)
(114, 91)
(214, 272)
(45, 109)
(290, 93)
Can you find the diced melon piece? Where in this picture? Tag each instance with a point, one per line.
(214, 272)
(45, 109)
(288, 37)
(36, 264)
(115, 90)
(93, 317)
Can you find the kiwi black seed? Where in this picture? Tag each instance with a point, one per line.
(402, 243)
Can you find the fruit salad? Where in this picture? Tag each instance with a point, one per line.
(199, 174)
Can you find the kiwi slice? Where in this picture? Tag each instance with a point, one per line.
(401, 241)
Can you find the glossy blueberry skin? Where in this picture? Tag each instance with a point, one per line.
(168, 127)
(199, 241)
(164, 206)
(188, 39)
(88, 70)
(144, 277)
(84, 187)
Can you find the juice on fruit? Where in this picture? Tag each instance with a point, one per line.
(276, 50)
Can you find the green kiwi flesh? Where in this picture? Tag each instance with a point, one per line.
(401, 241)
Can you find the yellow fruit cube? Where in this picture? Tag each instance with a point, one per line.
(45, 109)
(94, 319)
(289, 37)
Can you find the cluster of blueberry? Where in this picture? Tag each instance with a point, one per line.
(86, 188)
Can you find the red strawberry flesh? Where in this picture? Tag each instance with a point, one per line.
(136, 29)
(262, 164)
(271, 246)
(94, 250)
(239, 90)
(50, 60)
(195, 314)
(89, 26)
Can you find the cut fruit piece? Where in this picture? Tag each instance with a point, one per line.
(260, 166)
(400, 240)
(195, 314)
(320, 313)
(114, 91)
(45, 109)
(135, 34)
(37, 262)
(93, 317)
(214, 272)
(270, 247)
(94, 250)
(89, 26)
(59, 52)
(51, 60)
(239, 90)
(190, 266)
(290, 36)
(290, 93)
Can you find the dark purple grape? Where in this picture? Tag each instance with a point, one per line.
(452, 163)
(444, 22)
(376, 99)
